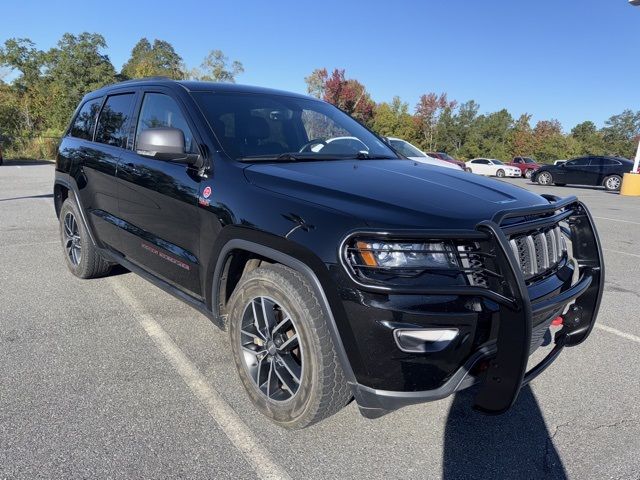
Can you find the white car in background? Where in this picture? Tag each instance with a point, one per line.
(414, 153)
(492, 168)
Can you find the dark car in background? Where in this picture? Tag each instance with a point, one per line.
(590, 170)
(448, 158)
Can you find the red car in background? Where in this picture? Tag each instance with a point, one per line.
(448, 158)
(527, 165)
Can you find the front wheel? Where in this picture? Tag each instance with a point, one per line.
(612, 183)
(528, 173)
(283, 350)
(545, 178)
(500, 173)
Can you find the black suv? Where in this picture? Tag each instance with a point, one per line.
(340, 269)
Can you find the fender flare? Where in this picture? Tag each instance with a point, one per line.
(297, 258)
(69, 183)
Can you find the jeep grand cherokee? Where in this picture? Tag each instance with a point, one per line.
(339, 268)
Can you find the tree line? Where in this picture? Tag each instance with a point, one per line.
(46, 86)
(440, 124)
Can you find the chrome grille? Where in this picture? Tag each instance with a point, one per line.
(538, 252)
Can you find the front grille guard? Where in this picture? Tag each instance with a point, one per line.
(506, 372)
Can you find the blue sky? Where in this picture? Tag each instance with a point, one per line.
(573, 60)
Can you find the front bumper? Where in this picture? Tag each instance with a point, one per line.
(506, 354)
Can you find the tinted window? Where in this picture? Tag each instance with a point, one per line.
(603, 162)
(481, 161)
(86, 119)
(578, 162)
(113, 121)
(159, 110)
(259, 125)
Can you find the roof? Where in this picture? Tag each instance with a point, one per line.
(197, 86)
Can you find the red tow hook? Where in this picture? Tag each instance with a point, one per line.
(556, 322)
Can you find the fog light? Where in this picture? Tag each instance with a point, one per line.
(424, 340)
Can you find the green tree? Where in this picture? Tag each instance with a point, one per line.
(489, 136)
(589, 140)
(621, 134)
(150, 60)
(27, 97)
(216, 68)
(75, 67)
(394, 120)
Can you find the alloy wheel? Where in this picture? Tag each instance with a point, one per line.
(613, 183)
(72, 241)
(272, 349)
(544, 178)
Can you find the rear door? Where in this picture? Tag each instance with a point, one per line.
(159, 199)
(96, 177)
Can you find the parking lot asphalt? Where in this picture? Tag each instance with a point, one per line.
(114, 378)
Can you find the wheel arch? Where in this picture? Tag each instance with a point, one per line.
(63, 186)
(247, 248)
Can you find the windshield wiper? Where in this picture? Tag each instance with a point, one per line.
(283, 157)
(368, 156)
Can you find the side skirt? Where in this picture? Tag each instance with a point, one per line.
(199, 305)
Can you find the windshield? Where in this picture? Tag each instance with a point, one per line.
(497, 162)
(446, 156)
(406, 149)
(528, 160)
(254, 127)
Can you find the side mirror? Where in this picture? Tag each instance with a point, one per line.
(165, 143)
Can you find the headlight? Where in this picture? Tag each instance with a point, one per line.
(406, 255)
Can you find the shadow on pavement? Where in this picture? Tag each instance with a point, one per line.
(514, 445)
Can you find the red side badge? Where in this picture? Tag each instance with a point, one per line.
(206, 193)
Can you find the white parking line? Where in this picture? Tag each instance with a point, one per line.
(228, 420)
(621, 252)
(617, 220)
(626, 335)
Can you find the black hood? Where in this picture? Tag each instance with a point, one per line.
(397, 193)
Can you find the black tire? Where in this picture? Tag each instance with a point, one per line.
(81, 256)
(544, 178)
(500, 173)
(612, 183)
(322, 389)
(528, 173)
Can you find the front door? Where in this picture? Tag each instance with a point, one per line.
(158, 202)
(575, 171)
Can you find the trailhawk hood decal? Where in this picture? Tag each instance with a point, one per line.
(394, 192)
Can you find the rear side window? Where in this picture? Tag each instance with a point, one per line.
(85, 121)
(159, 110)
(113, 121)
(578, 162)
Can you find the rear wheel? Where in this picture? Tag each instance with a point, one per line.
(500, 173)
(612, 183)
(283, 349)
(528, 173)
(81, 256)
(545, 178)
